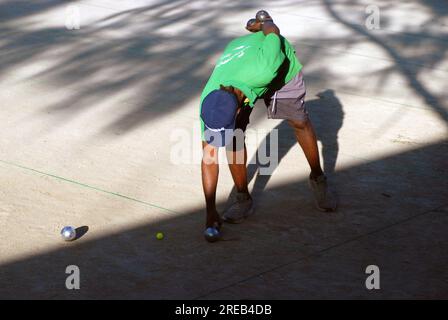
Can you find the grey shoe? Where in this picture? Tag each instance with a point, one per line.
(240, 209)
(325, 199)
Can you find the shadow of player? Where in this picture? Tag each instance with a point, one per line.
(327, 115)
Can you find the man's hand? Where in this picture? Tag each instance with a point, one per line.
(253, 25)
(270, 27)
(262, 22)
(263, 16)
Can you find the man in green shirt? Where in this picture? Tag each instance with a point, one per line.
(262, 64)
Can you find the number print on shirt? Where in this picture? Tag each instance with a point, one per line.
(230, 56)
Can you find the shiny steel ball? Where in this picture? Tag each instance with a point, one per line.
(250, 23)
(263, 16)
(68, 233)
(212, 234)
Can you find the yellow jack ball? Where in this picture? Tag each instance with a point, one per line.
(159, 235)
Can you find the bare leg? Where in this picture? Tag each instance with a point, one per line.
(237, 164)
(306, 137)
(210, 172)
(242, 205)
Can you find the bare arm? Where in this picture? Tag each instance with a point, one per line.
(270, 27)
(262, 22)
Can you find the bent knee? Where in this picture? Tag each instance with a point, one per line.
(299, 124)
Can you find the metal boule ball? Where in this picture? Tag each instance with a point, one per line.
(262, 16)
(251, 22)
(68, 233)
(212, 234)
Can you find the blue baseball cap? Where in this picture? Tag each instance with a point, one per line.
(218, 113)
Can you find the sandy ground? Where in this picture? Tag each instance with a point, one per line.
(91, 120)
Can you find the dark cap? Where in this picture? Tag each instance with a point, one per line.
(218, 113)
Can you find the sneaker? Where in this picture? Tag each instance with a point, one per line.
(239, 210)
(324, 197)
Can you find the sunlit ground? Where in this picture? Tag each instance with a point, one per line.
(87, 119)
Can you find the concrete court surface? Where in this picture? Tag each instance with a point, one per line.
(92, 119)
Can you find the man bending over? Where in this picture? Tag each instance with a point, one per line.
(262, 64)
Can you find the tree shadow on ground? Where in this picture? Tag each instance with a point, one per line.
(286, 230)
(409, 67)
(327, 116)
(131, 263)
(138, 59)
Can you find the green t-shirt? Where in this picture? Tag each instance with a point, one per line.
(294, 66)
(251, 62)
(248, 63)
